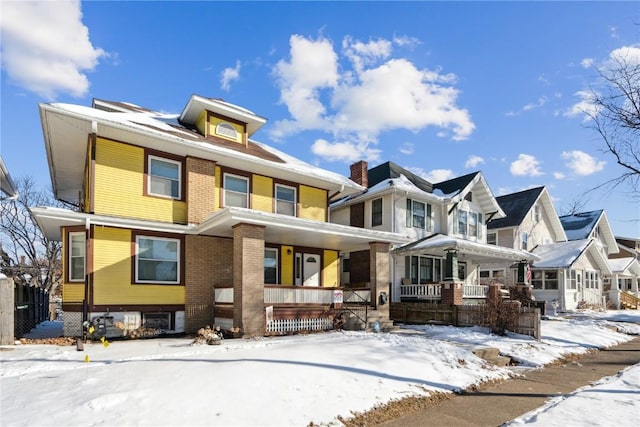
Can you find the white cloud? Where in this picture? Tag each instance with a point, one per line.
(526, 165)
(613, 32)
(587, 62)
(528, 107)
(626, 54)
(558, 175)
(473, 161)
(347, 152)
(46, 47)
(377, 94)
(229, 75)
(585, 107)
(407, 41)
(439, 175)
(582, 163)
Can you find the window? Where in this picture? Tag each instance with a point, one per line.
(422, 269)
(488, 276)
(591, 279)
(345, 265)
(157, 260)
(467, 223)
(376, 212)
(524, 241)
(76, 256)
(164, 177)
(544, 279)
(418, 215)
(236, 191)
(492, 239)
(462, 270)
(536, 214)
(285, 200)
(573, 280)
(270, 266)
(225, 129)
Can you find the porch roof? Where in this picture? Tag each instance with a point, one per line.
(565, 255)
(624, 266)
(280, 229)
(438, 244)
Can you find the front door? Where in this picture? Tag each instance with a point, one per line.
(311, 270)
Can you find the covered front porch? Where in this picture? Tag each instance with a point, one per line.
(425, 267)
(286, 272)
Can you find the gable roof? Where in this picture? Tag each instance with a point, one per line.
(456, 185)
(625, 266)
(581, 225)
(565, 254)
(66, 126)
(515, 206)
(390, 170)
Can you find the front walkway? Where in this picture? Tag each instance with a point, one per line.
(501, 403)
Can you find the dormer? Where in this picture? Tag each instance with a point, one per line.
(218, 119)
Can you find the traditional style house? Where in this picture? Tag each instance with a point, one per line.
(446, 223)
(572, 250)
(183, 220)
(624, 283)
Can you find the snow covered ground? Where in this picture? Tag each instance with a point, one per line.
(292, 381)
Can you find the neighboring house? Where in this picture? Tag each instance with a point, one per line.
(531, 220)
(625, 269)
(444, 221)
(183, 220)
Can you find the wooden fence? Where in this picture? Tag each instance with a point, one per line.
(462, 315)
(31, 308)
(7, 310)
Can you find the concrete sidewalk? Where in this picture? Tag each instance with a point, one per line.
(498, 404)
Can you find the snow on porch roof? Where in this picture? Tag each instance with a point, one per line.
(439, 244)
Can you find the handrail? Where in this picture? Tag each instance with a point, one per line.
(627, 298)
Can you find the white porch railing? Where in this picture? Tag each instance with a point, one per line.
(297, 295)
(421, 291)
(475, 291)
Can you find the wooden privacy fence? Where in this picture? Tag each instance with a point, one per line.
(528, 322)
(31, 308)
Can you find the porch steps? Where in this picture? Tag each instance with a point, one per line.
(491, 355)
(353, 323)
(629, 301)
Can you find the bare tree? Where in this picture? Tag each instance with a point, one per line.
(21, 237)
(614, 113)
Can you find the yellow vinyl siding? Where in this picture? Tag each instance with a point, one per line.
(119, 185)
(87, 180)
(201, 122)
(112, 273)
(313, 203)
(218, 189)
(214, 121)
(286, 265)
(72, 292)
(330, 269)
(262, 197)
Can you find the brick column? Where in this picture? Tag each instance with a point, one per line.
(248, 279)
(201, 187)
(451, 293)
(379, 275)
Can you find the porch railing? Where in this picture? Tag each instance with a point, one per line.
(475, 291)
(421, 291)
(297, 295)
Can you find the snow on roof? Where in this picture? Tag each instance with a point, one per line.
(560, 255)
(578, 226)
(619, 265)
(163, 123)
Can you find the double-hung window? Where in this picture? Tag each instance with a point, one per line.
(76, 256)
(376, 212)
(524, 241)
(157, 260)
(285, 200)
(418, 215)
(467, 223)
(164, 177)
(236, 191)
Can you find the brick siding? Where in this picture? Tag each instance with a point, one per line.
(248, 279)
(201, 187)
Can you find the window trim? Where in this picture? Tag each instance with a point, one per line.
(410, 214)
(295, 198)
(135, 235)
(70, 234)
(224, 189)
(377, 217)
(149, 176)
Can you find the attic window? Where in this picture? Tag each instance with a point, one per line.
(226, 130)
(469, 196)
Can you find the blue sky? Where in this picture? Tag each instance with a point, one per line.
(441, 88)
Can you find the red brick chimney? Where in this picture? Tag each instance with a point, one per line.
(359, 173)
